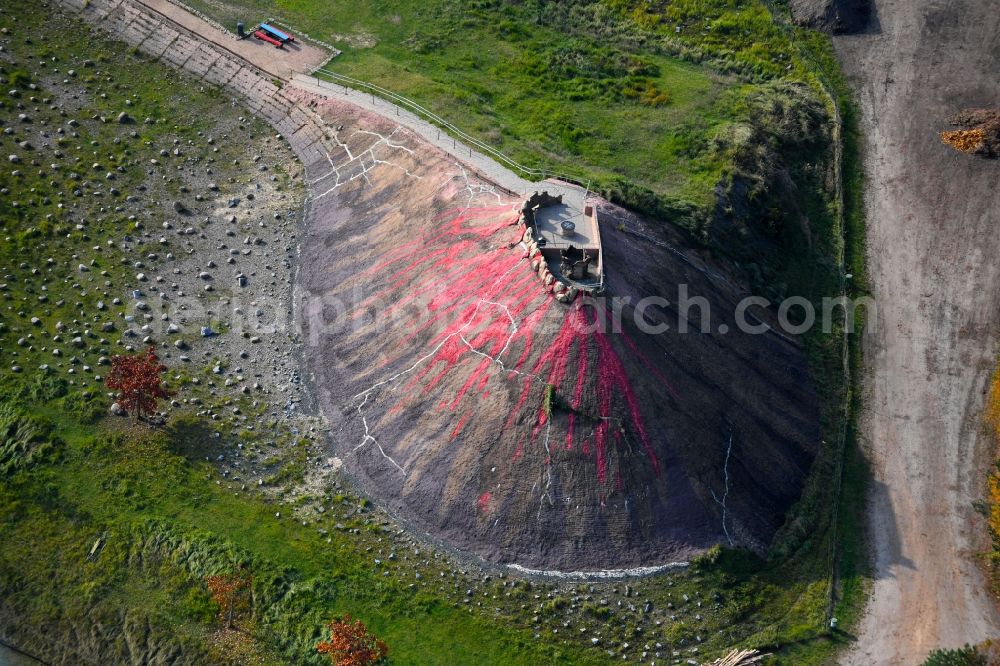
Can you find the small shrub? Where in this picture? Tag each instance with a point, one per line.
(137, 378)
(198, 606)
(87, 408)
(22, 440)
(966, 141)
(230, 592)
(351, 644)
(967, 656)
(46, 386)
(599, 612)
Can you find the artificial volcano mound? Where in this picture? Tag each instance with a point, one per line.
(469, 401)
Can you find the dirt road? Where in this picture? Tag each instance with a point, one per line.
(934, 261)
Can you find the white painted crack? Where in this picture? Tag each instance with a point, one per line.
(476, 187)
(725, 495)
(370, 438)
(366, 159)
(603, 574)
(547, 493)
(364, 395)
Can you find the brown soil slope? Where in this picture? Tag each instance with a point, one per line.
(522, 429)
(933, 249)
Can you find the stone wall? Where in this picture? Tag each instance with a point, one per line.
(562, 292)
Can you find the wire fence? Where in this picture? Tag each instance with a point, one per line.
(455, 132)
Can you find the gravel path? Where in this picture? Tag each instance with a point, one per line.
(933, 245)
(430, 133)
(479, 162)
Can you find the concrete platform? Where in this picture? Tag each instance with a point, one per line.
(549, 219)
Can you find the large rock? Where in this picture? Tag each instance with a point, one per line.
(833, 16)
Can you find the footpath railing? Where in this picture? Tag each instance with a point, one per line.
(438, 121)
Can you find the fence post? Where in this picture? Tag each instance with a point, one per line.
(418, 112)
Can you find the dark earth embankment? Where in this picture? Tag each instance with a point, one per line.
(833, 16)
(471, 402)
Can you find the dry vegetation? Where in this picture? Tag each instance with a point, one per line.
(993, 424)
(979, 133)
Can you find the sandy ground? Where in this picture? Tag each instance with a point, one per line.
(290, 59)
(933, 244)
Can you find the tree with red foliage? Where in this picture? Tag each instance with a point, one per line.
(226, 590)
(351, 644)
(137, 378)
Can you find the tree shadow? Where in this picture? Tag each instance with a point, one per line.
(870, 25)
(889, 553)
(194, 439)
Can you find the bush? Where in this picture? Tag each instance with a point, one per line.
(967, 656)
(46, 386)
(22, 440)
(686, 215)
(87, 407)
(199, 607)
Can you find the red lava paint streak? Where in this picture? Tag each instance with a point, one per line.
(581, 374)
(652, 368)
(617, 404)
(484, 304)
(461, 424)
(484, 501)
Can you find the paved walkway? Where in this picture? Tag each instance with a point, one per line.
(289, 63)
(483, 164)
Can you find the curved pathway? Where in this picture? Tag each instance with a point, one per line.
(934, 264)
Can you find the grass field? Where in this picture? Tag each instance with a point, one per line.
(608, 92)
(167, 525)
(696, 112)
(166, 518)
